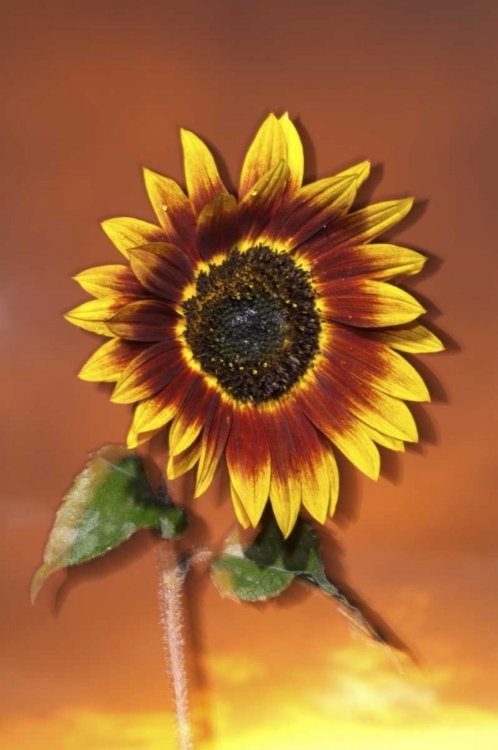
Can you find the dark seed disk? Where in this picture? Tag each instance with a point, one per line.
(252, 323)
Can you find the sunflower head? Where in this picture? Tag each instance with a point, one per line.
(265, 328)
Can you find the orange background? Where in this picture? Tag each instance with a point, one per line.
(92, 92)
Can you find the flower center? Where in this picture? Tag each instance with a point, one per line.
(252, 323)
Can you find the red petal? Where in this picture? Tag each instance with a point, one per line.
(149, 372)
(147, 320)
(163, 269)
(214, 437)
(217, 229)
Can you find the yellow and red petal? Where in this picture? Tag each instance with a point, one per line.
(258, 205)
(379, 261)
(267, 150)
(375, 363)
(126, 233)
(415, 339)
(294, 155)
(217, 424)
(189, 421)
(285, 485)
(326, 411)
(217, 227)
(145, 320)
(173, 210)
(366, 303)
(180, 464)
(110, 281)
(201, 173)
(248, 461)
(94, 315)
(149, 372)
(108, 362)
(310, 466)
(357, 228)
(158, 411)
(315, 206)
(385, 413)
(163, 270)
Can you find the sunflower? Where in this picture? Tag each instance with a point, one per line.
(263, 328)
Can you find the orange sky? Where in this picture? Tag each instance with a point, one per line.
(96, 90)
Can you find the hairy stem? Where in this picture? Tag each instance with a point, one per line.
(171, 579)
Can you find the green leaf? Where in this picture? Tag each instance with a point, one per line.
(108, 502)
(271, 563)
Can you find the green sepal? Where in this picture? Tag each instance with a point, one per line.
(108, 502)
(271, 563)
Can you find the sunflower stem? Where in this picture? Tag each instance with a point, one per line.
(171, 580)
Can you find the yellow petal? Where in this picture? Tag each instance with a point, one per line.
(334, 481)
(359, 171)
(415, 339)
(148, 420)
(127, 233)
(368, 223)
(92, 316)
(387, 415)
(358, 447)
(239, 508)
(386, 440)
(295, 154)
(180, 464)
(285, 501)
(135, 439)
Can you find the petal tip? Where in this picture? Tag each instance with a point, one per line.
(406, 204)
(364, 170)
